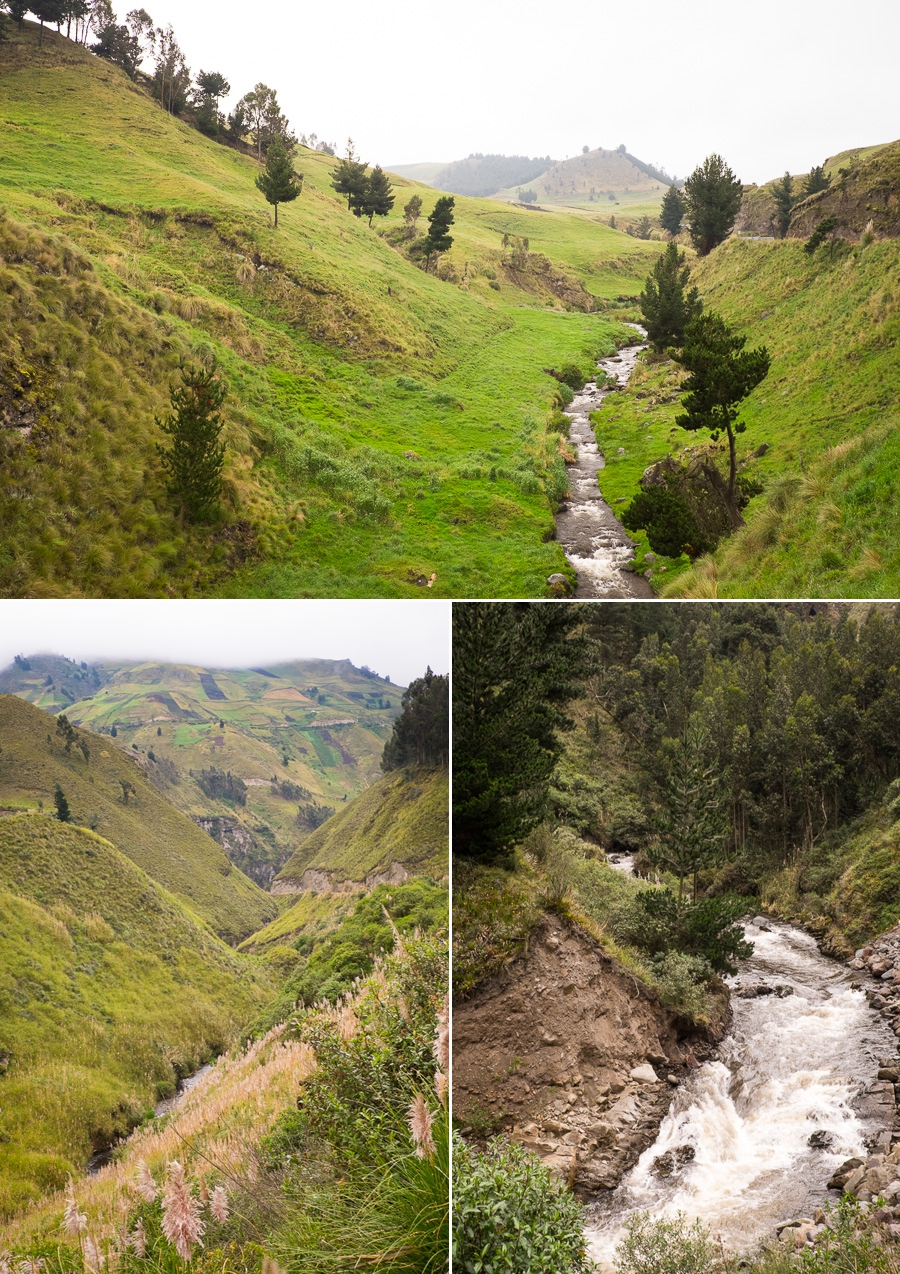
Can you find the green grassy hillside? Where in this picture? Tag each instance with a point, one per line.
(826, 524)
(159, 839)
(401, 819)
(302, 737)
(384, 426)
(109, 989)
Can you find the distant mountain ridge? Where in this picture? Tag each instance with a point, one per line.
(481, 175)
(298, 739)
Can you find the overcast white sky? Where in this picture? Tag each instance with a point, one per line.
(769, 86)
(398, 639)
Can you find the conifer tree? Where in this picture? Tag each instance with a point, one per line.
(279, 183)
(196, 456)
(63, 813)
(349, 178)
(665, 303)
(722, 375)
(516, 668)
(378, 198)
(816, 181)
(713, 196)
(691, 825)
(783, 192)
(439, 222)
(672, 211)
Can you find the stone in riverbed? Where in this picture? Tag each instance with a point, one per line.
(820, 1140)
(672, 1161)
(644, 1074)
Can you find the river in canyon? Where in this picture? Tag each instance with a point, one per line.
(795, 1068)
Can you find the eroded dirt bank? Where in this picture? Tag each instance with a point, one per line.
(573, 1055)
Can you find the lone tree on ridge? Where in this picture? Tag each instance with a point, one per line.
(439, 222)
(672, 211)
(63, 813)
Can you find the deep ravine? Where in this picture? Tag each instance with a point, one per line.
(594, 540)
(753, 1136)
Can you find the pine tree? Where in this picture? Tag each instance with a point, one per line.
(672, 211)
(816, 181)
(783, 192)
(378, 198)
(691, 825)
(63, 813)
(195, 459)
(439, 222)
(279, 183)
(516, 668)
(722, 375)
(713, 196)
(349, 178)
(665, 303)
(421, 734)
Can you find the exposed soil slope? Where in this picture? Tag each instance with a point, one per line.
(572, 1053)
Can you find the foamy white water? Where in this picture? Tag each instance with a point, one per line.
(594, 540)
(790, 1067)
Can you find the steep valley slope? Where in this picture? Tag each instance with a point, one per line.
(110, 989)
(109, 792)
(385, 427)
(257, 757)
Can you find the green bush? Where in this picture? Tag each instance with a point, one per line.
(511, 1215)
(664, 1245)
(670, 525)
(679, 979)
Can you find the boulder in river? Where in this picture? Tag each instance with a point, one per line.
(820, 1140)
(672, 1161)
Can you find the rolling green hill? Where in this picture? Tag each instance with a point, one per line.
(142, 825)
(397, 828)
(386, 428)
(303, 738)
(588, 181)
(110, 988)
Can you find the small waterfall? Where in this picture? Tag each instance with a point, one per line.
(791, 1068)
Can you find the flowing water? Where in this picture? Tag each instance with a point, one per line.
(791, 1067)
(101, 1158)
(593, 538)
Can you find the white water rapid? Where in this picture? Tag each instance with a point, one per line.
(593, 538)
(790, 1068)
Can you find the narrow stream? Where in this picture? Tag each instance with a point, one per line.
(593, 538)
(101, 1158)
(793, 1067)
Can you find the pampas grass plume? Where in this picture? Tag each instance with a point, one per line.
(218, 1204)
(74, 1222)
(144, 1183)
(93, 1261)
(181, 1223)
(419, 1117)
(137, 1240)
